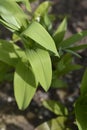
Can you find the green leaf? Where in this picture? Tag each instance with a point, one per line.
(58, 83)
(72, 52)
(60, 32)
(36, 32)
(4, 68)
(65, 65)
(26, 2)
(78, 47)
(43, 126)
(68, 69)
(15, 37)
(84, 83)
(32, 1)
(48, 22)
(73, 39)
(8, 26)
(55, 107)
(54, 124)
(13, 17)
(24, 85)
(81, 112)
(42, 9)
(41, 65)
(8, 53)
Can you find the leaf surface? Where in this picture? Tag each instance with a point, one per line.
(12, 15)
(7, 53)
(37, 33)
(24, 85)
(41, 65)
(42, 9)
(73, 39)
(54, 124)
(55, 107)
(81, 112)
(84, 83)
(60, 32)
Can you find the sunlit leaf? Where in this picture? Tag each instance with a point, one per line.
(42, 9)
(55, 107)
(36, 32)
(12, 15)
(41, 65)
(54, 124)
(24, 85)
(47, 21)
(10, 53)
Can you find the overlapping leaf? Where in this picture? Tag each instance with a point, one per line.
(55, 107)
(24, 85)
(54, 124)
(41, 65)
(12, 15)
(42, 9)
(36, 32)
(73, 39)
(7, 53)
(60, 32)
(10, 53)
(65, 65)
(26, 2)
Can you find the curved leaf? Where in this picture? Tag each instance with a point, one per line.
(42, 9)
(74, 38)
(8, 53)
(26, 2)
(54, 124)
(37, 33)
(24, 85)
(60, 32)
(12, 15)
(78, 47)
(41, 65)
(55, 107)
(84, 84)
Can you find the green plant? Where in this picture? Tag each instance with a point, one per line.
(58, 122)
(80, 111)
(81, 105)
(31, 61)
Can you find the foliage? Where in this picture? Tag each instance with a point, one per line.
(43, 58)
(81, 105)
(27, 61)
